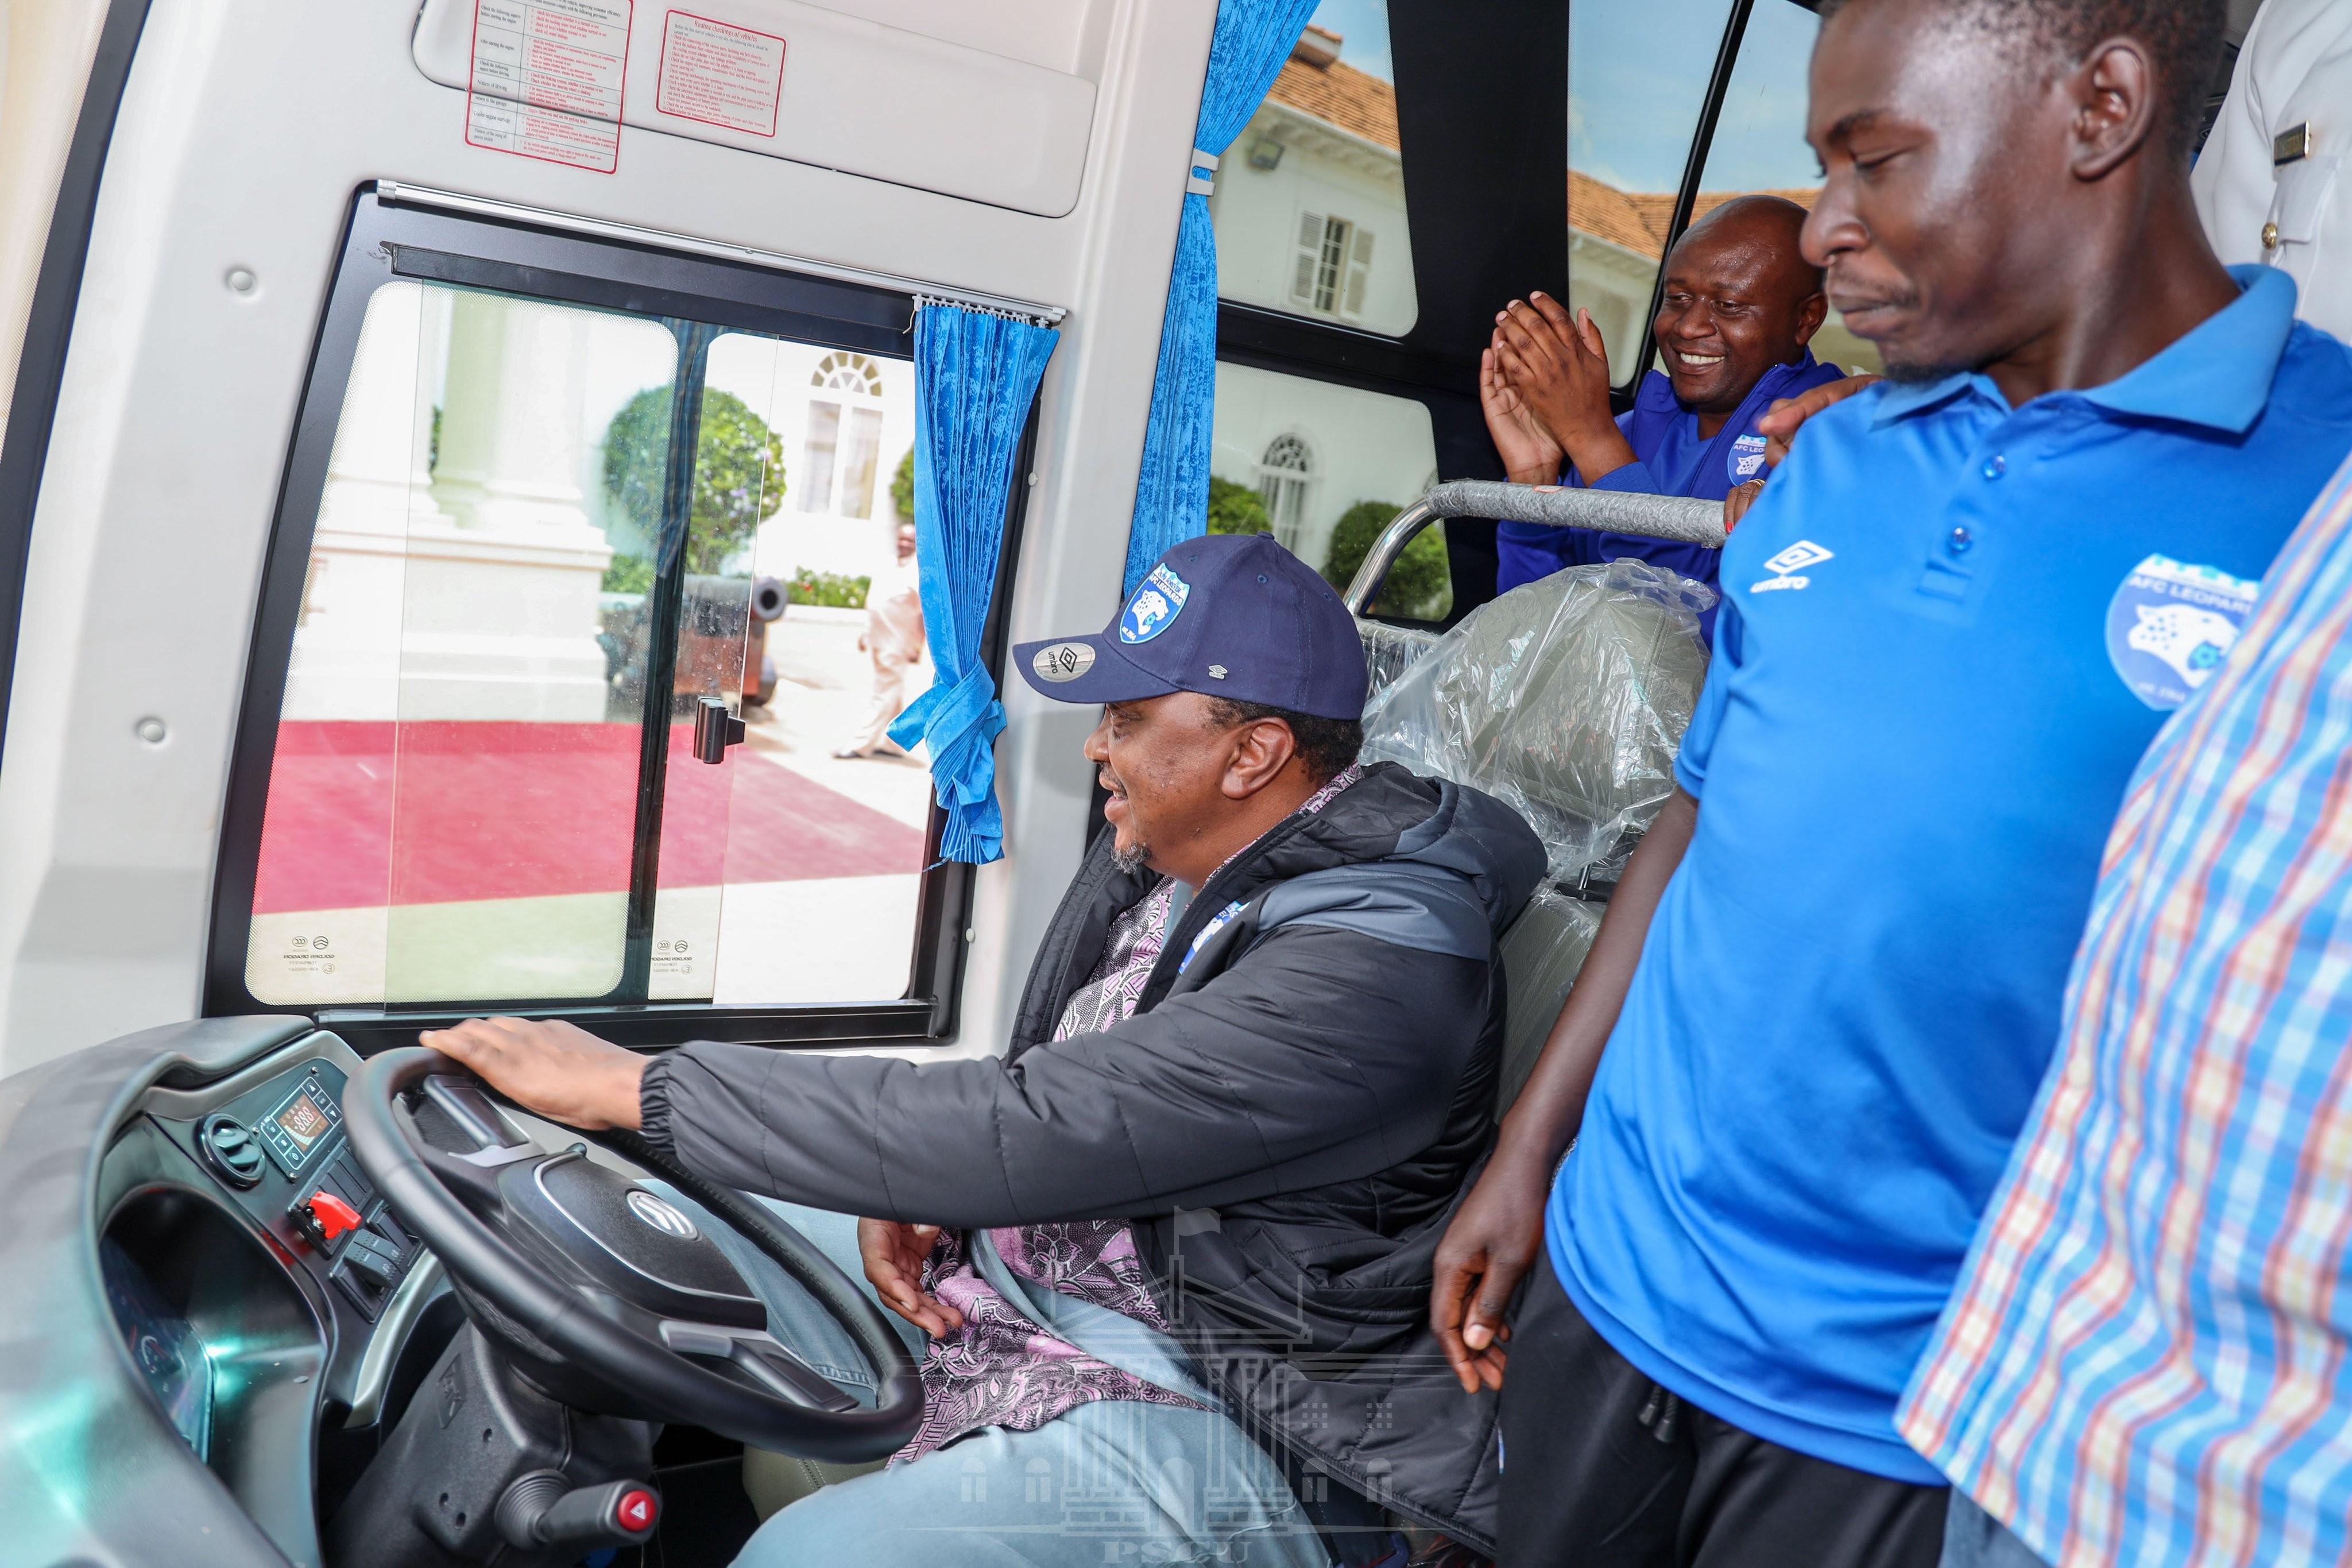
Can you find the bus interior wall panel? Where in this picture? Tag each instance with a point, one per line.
(48, 327)
(242, 135)
(964, 121)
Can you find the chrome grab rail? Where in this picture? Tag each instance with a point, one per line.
(1653, 517)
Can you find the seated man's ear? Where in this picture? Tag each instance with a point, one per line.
(1262, 750)
(1810, 317)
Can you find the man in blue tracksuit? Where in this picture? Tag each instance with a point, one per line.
(1741, 302)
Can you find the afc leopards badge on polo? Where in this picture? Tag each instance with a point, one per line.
(1063, 662)
(1795, 559)
(1157, 603)
(1747, 458)
(2171, 624)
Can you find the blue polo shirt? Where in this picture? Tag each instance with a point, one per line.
(1670, 458)
(1948, 631)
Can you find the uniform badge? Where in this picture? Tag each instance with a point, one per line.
(2171, 624)
(1747, 458)
(1217, 923)
(1156, 604)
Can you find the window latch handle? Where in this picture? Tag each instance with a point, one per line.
(714, 729)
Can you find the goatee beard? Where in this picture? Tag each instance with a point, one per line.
(1130, 861)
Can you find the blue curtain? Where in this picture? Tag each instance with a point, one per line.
(1171, 498)
(975, 376)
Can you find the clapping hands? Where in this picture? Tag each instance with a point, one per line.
(1544, 384)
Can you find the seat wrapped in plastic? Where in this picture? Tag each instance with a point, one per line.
(1566, 697)
(1389, 653)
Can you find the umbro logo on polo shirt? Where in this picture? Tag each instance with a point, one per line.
(1795, 559)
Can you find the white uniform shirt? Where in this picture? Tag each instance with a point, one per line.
(893, 613)
(2294, 70)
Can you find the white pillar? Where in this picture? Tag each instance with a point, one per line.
(346, 658)
(500, 609)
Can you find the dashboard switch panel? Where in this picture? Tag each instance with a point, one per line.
(298, 1124)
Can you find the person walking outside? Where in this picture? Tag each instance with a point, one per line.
(894, 641)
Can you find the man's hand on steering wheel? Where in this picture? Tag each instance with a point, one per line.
(553, 1068)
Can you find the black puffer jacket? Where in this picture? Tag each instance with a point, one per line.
(1289, 1118)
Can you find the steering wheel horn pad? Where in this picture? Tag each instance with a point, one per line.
(623, 1303)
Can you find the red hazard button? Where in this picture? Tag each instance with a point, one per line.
(635, 1512)
(333, 1214)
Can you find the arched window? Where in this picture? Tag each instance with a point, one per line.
(844, 372)
(843, 442)
(1285, 473)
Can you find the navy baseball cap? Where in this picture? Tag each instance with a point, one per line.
(1226, 615)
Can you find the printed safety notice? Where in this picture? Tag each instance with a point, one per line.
(548, 79)
(719, 74)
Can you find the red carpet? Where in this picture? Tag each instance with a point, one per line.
(363, 814)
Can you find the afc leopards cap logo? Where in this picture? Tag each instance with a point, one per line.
(2171, 625)
(660, 1216)
(1155, 604)
(1063, 662)
(1796, 557)
(1747, 457)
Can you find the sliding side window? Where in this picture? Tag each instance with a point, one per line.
(588, 580)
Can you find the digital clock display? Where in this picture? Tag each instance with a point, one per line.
(302, 1120)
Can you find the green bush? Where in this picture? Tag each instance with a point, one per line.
(902, 485)
(831, 589)
(738, 474)
(1419, 587)
(628, 574)
(1236, 508)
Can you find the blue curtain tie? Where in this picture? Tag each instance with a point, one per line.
(960, 723)
(976, 375)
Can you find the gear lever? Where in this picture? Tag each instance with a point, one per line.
(540, 1509)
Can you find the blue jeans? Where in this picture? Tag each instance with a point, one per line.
(1110, 1482)
(1975, 1539)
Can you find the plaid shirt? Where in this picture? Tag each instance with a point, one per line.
(2148, 1360)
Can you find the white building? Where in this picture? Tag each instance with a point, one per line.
(1311, 214)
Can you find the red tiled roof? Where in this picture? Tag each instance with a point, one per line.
(1358, 102)
(1638, 220)
(1339, 94)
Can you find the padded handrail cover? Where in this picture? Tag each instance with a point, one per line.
(1678, 518)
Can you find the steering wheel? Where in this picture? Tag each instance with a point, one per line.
(611, 1297)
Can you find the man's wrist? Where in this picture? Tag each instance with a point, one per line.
(1599, 452)
(625, 1106)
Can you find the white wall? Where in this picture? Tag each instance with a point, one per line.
(1366, 446)
(1322, 169)
(45, 53)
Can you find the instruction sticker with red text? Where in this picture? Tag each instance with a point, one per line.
(548, 76)
(719, 74)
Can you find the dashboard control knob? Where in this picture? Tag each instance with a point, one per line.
(229, 1147)
(332, 1215)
